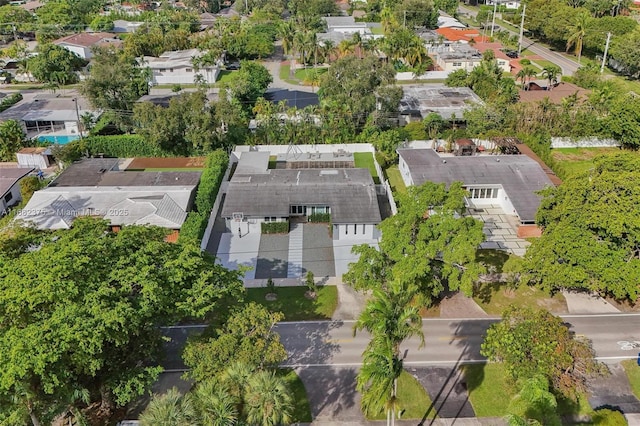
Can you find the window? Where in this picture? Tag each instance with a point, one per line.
(188, 70)
(355, 229)
(163, 70)
(170, 69)
(363, 227)
(8, 197)
(457, 64)
(346, 230)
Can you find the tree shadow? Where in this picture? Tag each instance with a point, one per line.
(331, 392)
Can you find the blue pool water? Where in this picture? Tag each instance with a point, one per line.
(59, 139)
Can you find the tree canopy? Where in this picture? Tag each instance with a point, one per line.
(428, 243)
(245, 337)
(534, 343)
(591, 232)
(80, 311)
(55, 64)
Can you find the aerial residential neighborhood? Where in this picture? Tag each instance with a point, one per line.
(319, 212)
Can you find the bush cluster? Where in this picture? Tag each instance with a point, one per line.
(122, 146)
(275, 227)
(10, 100)
(319, 218)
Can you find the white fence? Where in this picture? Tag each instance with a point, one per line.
(429, 75)
(321, 148)
(594, 142)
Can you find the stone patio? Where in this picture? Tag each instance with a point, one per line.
(500, 230)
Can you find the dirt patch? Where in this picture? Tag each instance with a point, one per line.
(167, 163)
(624, 305)
(581, 154)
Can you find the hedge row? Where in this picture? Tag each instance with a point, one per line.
(275, 227)
(194, 227)
(122, 146)
(10, 100)
(319, 218)
(215, 166)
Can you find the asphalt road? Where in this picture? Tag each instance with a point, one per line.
(447, 341)
(567, 65)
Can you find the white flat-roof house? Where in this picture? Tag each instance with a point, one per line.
(176, 67)
(511, 181)
(311, 184)
(511, 4)
(83, 43)
(121, 26)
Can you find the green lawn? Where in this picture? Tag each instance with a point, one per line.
(577, 160)
(542, 63)
(364, 160)
(496, 297)
(295, 307)
(377, 30)
(633, 373)
(301, 408)
(395, 180)
(489, 389)
(224, 77)
(413, 398)
(304, 75)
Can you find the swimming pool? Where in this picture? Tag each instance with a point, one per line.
(59, 139)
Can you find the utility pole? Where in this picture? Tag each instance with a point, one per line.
(75, 101)
(524, 10)
(606, 50)
(15, 35)
(404, 20)
(493, 20)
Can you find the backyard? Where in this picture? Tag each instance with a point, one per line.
(364, 160)
(577, 160)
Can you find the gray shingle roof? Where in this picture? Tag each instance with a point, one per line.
(350, 193)
(9, 176)
(519, 175)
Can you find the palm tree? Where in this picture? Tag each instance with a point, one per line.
(268, 400)
(328, 48)
(391, 318)
(287, 32)
(170, 409)
(525, 75)
(577, 32)
(215, 404)
(551, 72)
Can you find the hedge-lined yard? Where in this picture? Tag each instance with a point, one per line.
(122, 146)
(193, 228)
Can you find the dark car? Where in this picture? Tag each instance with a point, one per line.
(233, 66)
(511, 53)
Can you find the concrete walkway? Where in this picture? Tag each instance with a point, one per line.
(614, 391)
(585, 303)
(350, 303)
(457, 305)
(273, 64)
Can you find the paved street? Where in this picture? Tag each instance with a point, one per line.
(447, 341)
(569, 66)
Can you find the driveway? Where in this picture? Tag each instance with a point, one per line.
(614, 392)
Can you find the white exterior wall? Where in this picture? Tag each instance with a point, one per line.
(182, 76)
(15, 199)
(37, 161)
(450, 66)
(503, 199)
(71, 127)
(404, 172)
(504, 65)
(362, 231)
(83, 52)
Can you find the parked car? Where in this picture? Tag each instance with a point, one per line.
(511, 53)
(233, 66)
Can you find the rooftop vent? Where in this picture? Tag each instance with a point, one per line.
(328, 172)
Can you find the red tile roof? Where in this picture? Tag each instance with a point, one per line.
(88, 39)
(559, 92)
(454, 34)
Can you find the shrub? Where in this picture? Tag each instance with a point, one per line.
(525, 61)
(319, 218)
(606, 417)
(275, 227)
(310, 282)
(122, 146)
(10, 100)
(271, 287)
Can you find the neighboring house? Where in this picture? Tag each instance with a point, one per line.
(38, 158)
(307, 184)
(10, 187)
(504, 62)
(97, 187)
(49, 113)
(538, 91)
(176, 67)
(207, 20)
(446, 21)
(82, 44)
(512, 4)
(341, 28)
(418, 101)
(457, 57)
(459, 34)
(31, 6)
(510, 181)
(121, 26)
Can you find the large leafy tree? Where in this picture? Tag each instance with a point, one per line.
(246, 337)
(534, 344)
(55, 64)
(249, 83)
(11, 139)
(626, 50)
(116, 81)
(429, 243)
(534, 404)
(80, 311)
(591, 232)
(359, 86)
